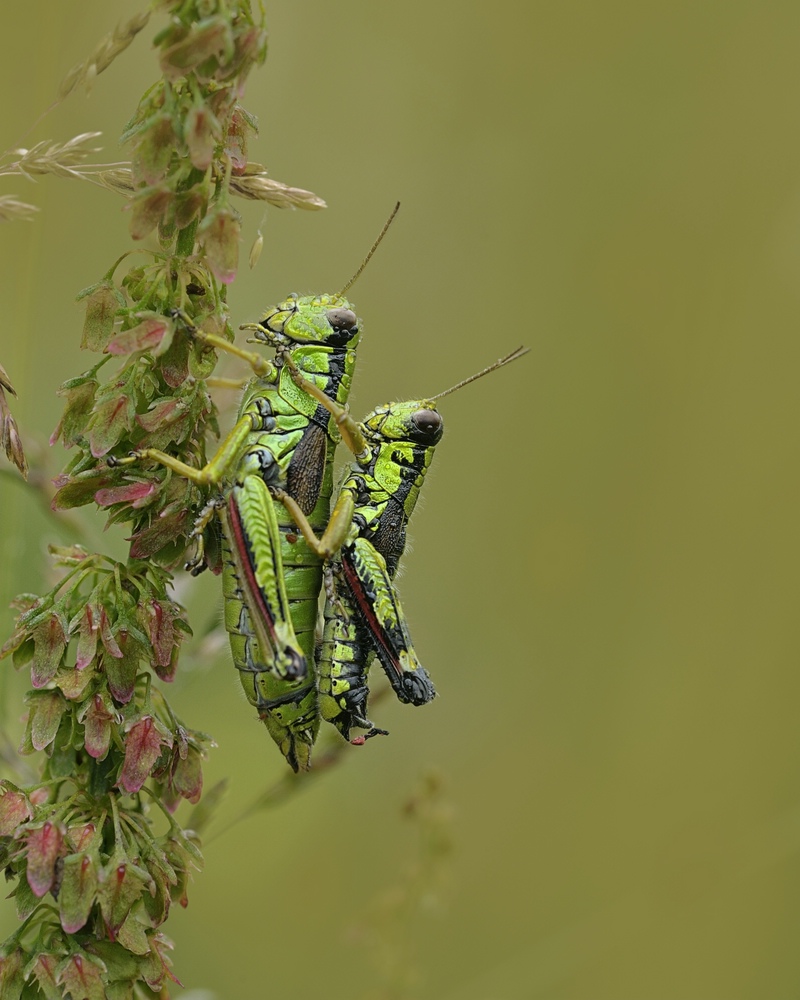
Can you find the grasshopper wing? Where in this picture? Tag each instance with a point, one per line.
(253, 538)
(378, 608)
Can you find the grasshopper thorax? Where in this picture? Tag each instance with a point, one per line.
(325, 320)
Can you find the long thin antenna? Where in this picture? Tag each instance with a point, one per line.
(375, 246)
(518, 353)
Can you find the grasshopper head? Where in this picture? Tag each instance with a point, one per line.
(328, 320)
(417, 421)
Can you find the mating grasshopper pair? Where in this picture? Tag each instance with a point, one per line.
(274, 477)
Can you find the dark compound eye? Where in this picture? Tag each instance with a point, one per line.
(428, 425)
(343, 319)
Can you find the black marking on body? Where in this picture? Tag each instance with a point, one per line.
(333, 381)
(389, 537)
(290, 698)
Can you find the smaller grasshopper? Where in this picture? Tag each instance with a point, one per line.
(362, 547)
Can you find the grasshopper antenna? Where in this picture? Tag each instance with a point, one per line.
(375, 246)
(518, 353)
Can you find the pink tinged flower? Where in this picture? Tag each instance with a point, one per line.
(110, 421)
(188, 205)
(75, 491)
(220, 234)
(87, 636)
(148, 210)
(97, 723)
(154, 334)
(154, 966)
(120, 886)
(110, 643)
(81, 976)
(12, 980)
(73, 683)
(103, 301)
(78, 407)
(208, 38)
(236, 139)
(79, 881)
(44, 849)
(15, 808)
(163, 530)
(162, 632)
(166, 412)
(80, 837)
(121, 672)
(187, 778)
(157, 901)
(142, 749)
(49, 644)
(201, 130)
(155, 149)
(44, 969)
(132, 493)
(40, 796)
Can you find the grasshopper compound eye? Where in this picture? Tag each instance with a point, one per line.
(427, 426)
(343, 319)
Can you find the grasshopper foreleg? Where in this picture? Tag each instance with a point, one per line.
(350, 429)
(261, 366)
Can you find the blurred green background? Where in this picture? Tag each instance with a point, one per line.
(603, 581)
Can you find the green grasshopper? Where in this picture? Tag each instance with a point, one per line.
(363, 617)
(283, 438)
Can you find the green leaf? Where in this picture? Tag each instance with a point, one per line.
(46, 710)
(132, 935)
(24, 900)
(119, 962)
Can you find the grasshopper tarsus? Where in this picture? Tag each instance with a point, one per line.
(359, 741)
(195, 566)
